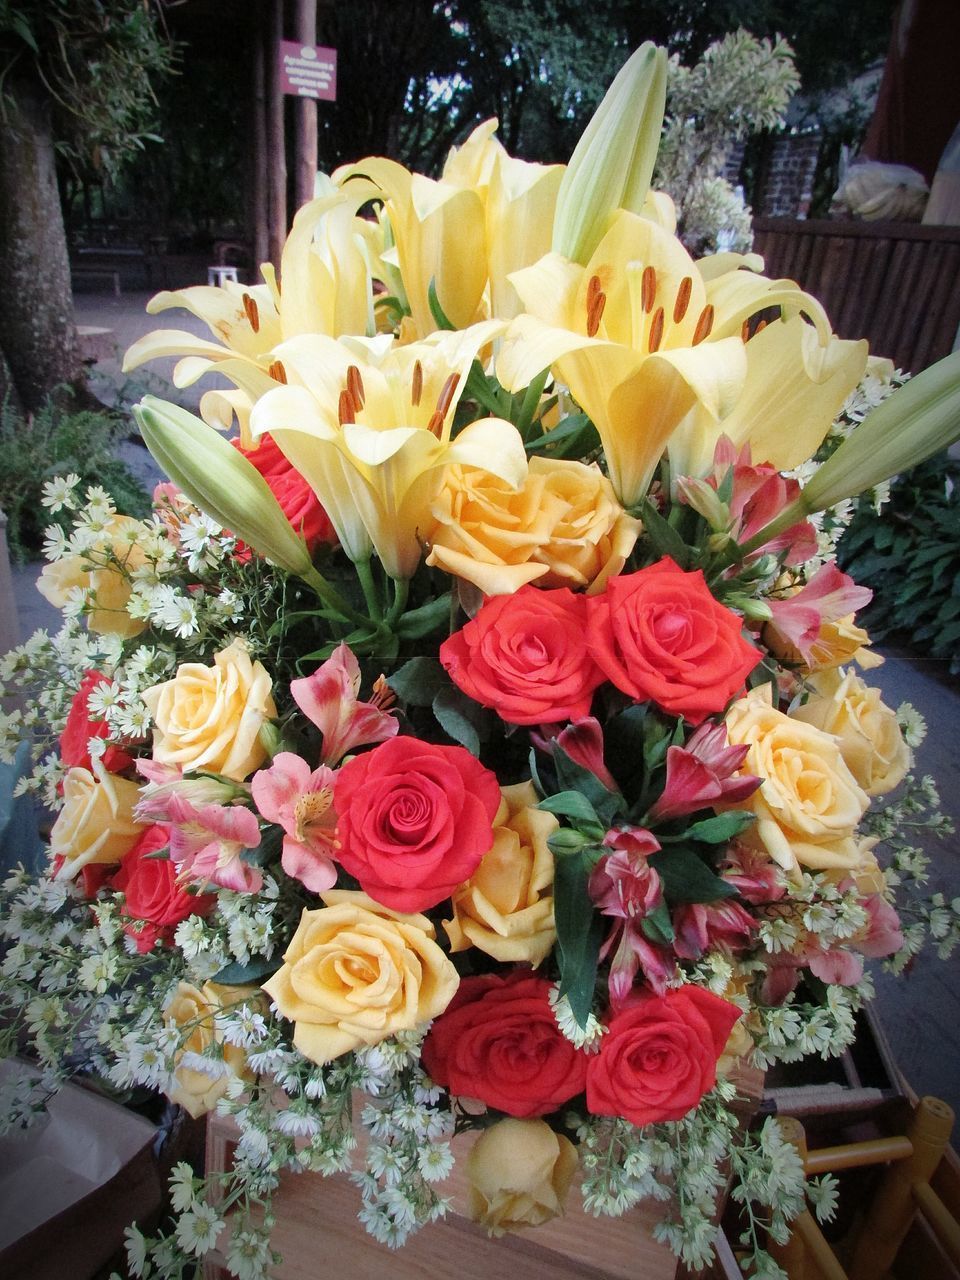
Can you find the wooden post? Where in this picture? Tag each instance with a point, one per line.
(892, 1210)
(276, 138)
(260, 211)
(305, 112)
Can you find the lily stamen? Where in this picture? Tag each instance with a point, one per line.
(355, 386)
(704, 325)
(683, 299)
(656, 330)
(446, 395)
(416, 386)
(648, 289)
(595, 312)
(277, 372)
(346, 408)
(436, 423)
(252, 312)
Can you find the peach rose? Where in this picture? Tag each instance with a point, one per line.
(210, 717)
(867, 730)
(562, 528)
(520, 1172)
(107, 585)
(195, 1009)
(809, 803)
(505, 909)
(96, 823)
(356, 972)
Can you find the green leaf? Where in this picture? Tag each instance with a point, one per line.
(719, 829)
(575, 806)
(268, 850)
(687, 878)
(419, 681)
(573, 777)
(565, 438)
(580, 932)
(420, 622)
(241, 975)
(435, 308)
(657, 926)
(456, 715)
(663, 537)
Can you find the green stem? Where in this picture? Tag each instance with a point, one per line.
(370, 592)
(401, 589)
(330, 596)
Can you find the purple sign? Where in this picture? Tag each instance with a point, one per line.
(308, 71)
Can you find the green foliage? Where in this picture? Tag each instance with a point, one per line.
(910, 556)
(95, 59)
(55, 442)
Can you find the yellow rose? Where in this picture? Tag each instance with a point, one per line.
(562, 528)
(96, 823)
(194, 1009)
(506, 907)
(520, 1172)
(210, 717)
(867, 730)
(107, 585)
(356, 972)
(837, 642)
(809, 803)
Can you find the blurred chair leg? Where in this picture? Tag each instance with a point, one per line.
(892, 1209)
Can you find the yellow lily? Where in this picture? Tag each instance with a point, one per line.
(326, 276)
(368, 424)
(645, 337)
(437, 227)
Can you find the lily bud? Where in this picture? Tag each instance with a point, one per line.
(918, 420)
(705, 500)
(222, 483)
(613, 161)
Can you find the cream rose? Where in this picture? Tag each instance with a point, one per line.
(505, 909)
(520, 1172)
(809, 803)
(194, 1009)
(107, 585)
(96, 823)
(356, 972)
(210, 717)
(562, 528)
(866, 729)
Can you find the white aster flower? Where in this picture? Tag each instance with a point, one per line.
(59, 493)
(197, 1230)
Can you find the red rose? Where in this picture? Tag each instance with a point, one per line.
(660, 634)
(525, 655)
(414, 820)
(152, 894)
(498, 1041)
(81, 727)
(659, 1056)
(297, 500)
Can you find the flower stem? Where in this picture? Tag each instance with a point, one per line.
(401, 588)
(330, 596)
(370, 592)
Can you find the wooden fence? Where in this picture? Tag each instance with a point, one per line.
(896, 284)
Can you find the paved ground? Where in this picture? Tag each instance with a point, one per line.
(920, 1013)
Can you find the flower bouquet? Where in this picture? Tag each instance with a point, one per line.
(474, 740)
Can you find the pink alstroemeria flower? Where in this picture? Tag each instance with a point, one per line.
(164, 781)
(636, 953)
(328, 698)
(753, 875)
(759, 494)
(884, 935)
(700, 775)
(827, 597)
(701, 925)
(301, 801)
(623, 885)
(582, 740)
(207, 843)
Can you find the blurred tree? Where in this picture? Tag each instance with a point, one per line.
(75, 77)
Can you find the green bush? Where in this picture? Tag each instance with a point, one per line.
(56, 441)
(910, 556)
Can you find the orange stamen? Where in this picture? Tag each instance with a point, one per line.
(416, 388)
(277, 372)
(704, 325)
(355, 386)
(683, 299)
(446, 394)
(436, 423)
(383, 695)
(252, 312)
(656, 330)
(595, 312)
(648, 289)
(346, 409)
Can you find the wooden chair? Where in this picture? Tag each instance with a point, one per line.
(916, 1200)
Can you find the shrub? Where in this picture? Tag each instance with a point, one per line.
(56, 441)
(910, 557)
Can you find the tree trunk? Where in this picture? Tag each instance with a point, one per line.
(37, 332)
